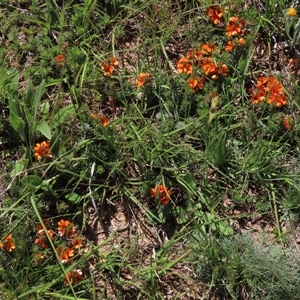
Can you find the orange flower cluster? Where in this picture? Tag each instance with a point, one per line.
(232, 44)
(42, 150)
(196, 83)
(73, 277)
(102, 119)
(142, 79)
(234, 29)
(235, 26)
(42, 238)
(109, 67)
(8, 243)
(65, 229)
(201, 58)
(215, 13)
(287, 123)
(162, 193)
(270, 90)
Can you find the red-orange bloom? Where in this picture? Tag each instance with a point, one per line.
(60, 59)
(113, 61)
(196, 83)
(103, 119)
(229, 46)
(235, 26)
(270, 90)
(74, 277)
(162, 193)
(66, 228)
(109, 68)
(42, 150)
(207, 49)
(185, 65)
(215, 13)
(77, 243)
(287, 123)
(42, 238)
(142, 79)
(8, 243)
(64, 254)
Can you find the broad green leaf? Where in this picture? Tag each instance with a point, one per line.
(30, 119)
(225, 229)
(18, 125)
(44, 108)
(19, 167)
(73, 197)
(31, 181)
(37, 98)
(44, 129)
(62, 115)
(14, 106)
(29, 95)
(55, 143)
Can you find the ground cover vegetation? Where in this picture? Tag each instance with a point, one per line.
(149, 149)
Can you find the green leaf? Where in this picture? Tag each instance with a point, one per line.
(55, 143)
(44, 108)
(29, 95)
(181, 214)
(62, 115)
(44, 129)
(37, 98)
(31, 181)
(18, 125)
(225, 229)
(19, 167)
(73, 197)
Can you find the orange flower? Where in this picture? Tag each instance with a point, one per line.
(241, 41)
(66, 227)
(196, 83)
(235, 26)
(60, 59)
(77, 243)
(287, 123)
(162, 193)
(185, 65)
(42, 238)
(269, 89)
(229, 46)
(113, 61)
(206, 49)
(42, 150)
(8, 243)
(292, 62)
(107, 68)
(102, 118)
(74, 276)
(142, 79)
(215, 13)
(64, 254)
(193, 54)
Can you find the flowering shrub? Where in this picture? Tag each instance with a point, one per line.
(66, 240)
(269, 90)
